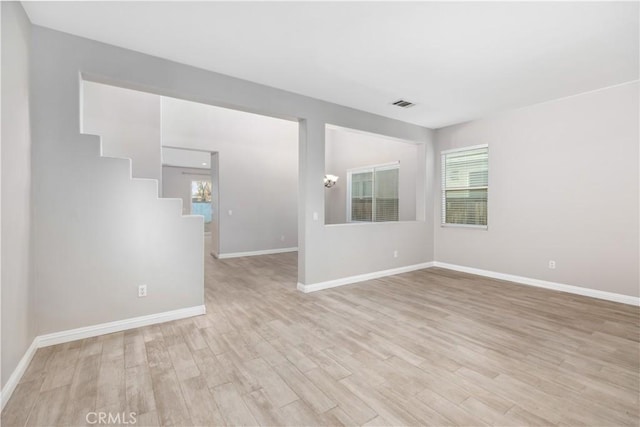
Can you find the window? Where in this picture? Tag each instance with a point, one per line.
(373, 193)
(465, 184)
(201, 201)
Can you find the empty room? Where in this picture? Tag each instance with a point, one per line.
(320, 213)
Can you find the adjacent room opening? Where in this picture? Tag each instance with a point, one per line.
(188, 174)
(236, 169)
(369, 178)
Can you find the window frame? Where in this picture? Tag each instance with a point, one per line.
(443, 189)
(372, 169)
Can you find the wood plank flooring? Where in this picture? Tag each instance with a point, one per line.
(431, 347)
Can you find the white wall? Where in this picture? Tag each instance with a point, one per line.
(346, 149)
(18, 326)
(128, 123)
(563, 186)
(59, 59)
(258, 171)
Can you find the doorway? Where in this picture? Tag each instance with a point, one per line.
(253, 206)
(192, 175)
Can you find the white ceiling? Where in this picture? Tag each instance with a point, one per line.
(458, 61)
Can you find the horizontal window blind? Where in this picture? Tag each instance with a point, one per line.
(465, 185)
(374, 193)
(362, 196)
(386, 201)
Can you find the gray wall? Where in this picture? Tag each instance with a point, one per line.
(563, 186)
(59, 58)
(128, 123)
(257, 169)
(99, 234)
(346, 149)
(18, 327)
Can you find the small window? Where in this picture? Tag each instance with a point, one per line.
(373, 193)
(465, 186)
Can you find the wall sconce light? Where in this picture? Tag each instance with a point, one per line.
(330, 180)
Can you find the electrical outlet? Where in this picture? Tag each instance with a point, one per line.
(315, 216)
(552, 265)
(395, 253)
(282, 238)
(142, 291)
(230, 212)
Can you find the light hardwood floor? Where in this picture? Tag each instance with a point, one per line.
(432, 347)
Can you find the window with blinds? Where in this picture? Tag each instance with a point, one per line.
(373, 193)
(465, 185)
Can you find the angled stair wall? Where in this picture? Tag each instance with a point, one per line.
(101, 235)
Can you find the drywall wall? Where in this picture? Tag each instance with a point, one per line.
(257, 167)
(563, 186)
(18, 328)
(59, 58)
(128, 123)
(100, 233)
(346, 149)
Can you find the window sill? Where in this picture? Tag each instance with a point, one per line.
(476, 227)
(359, 223)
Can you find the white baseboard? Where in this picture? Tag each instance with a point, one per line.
(17, 374)
(91, 331)
(117, 326)
(254, 253)
(361, 277)
(594, 293)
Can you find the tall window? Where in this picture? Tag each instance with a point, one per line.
(373, 193)
(465, 185)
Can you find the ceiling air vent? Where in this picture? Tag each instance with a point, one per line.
(403, 104)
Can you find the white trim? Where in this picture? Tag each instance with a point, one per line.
(477, 227)
(468, 148)
(17, 374)
(342, 224)
(578, 290)
(361, 277)
(254, 253)
(329, 126)
(117, 326)
(87, 332)
(443, 185)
